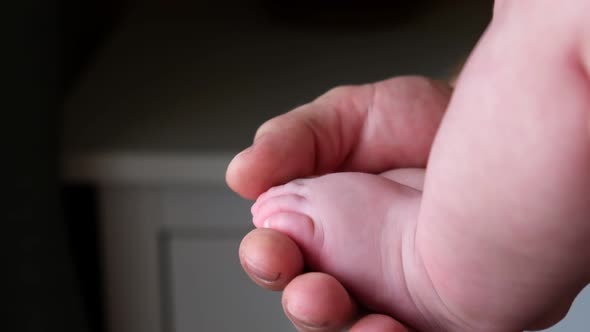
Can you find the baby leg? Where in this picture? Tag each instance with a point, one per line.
(504, 227)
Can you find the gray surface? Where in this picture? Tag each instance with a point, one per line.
(210, 292)
(179, 78)
(578, 319)
(207, 208)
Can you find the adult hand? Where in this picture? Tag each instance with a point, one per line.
(370, 128)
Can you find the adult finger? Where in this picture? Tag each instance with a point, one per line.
(318, 302)
(367, 128)
(313, 301)
(270, 258)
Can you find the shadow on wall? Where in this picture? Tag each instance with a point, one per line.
(83, 27)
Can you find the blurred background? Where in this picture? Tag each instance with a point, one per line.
(125, 116)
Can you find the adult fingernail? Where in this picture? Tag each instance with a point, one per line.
(251, 147)
(309, 326)
(259, 137)
(303, 322)
(245, 151)
(262, 274)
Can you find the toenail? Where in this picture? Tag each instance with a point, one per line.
(298, 226)
(262, 274)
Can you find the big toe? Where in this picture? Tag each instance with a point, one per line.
(287, 209)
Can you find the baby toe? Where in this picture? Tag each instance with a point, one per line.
(283, 203)
(280, 196)
(300, 228)
(288, 210)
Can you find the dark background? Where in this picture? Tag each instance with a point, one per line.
(46, 45)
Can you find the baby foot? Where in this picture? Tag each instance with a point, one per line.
(360, 229)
